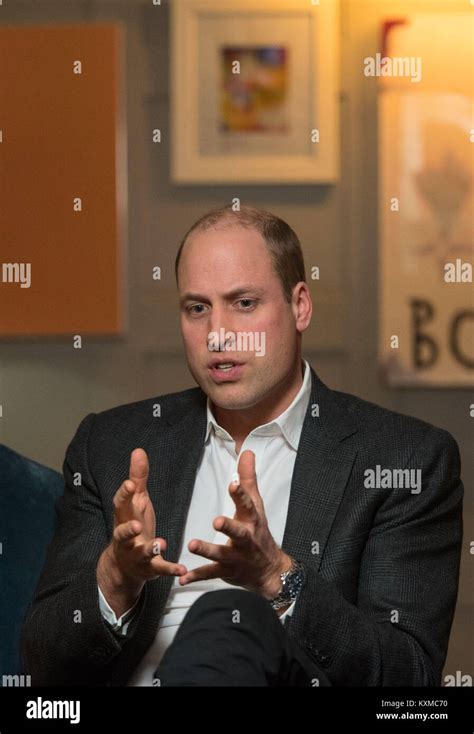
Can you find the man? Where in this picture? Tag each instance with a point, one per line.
(268, 530)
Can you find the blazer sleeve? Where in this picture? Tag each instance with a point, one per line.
(65, 640)
(397, 634)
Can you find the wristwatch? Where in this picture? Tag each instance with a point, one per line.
(292, 582)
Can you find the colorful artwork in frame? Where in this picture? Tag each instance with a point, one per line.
(255, 91)
(254, 94)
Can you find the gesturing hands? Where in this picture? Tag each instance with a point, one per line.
(250, 558)
(134, 555)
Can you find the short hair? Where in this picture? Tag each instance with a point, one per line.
(281, 241)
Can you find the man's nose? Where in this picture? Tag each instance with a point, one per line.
(220, 324)
(220, 319)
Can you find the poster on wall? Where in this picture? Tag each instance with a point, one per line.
(426, 314)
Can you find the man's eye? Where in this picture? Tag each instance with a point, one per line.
(191, 309)
(247, 302)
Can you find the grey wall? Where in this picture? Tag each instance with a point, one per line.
(47, 387)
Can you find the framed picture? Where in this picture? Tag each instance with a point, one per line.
(426, 319)
(255, 91)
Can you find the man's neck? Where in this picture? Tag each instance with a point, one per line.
(239, 423)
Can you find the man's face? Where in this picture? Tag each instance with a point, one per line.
(227, 288)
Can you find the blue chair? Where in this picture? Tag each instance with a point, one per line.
(28, 493)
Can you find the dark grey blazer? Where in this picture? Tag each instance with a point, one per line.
(382, 564)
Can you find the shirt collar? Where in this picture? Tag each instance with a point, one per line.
(289, 423)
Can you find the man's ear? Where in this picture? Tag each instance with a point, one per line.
(302, 306)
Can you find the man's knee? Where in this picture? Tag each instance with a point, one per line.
(237, 602)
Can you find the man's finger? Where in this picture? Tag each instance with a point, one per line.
(248, 477)
(124, 494)
(139, 469)
(233, 528)
(213, 551)
(211, 571)
(126, 531)
(167, 568)
(244, 505)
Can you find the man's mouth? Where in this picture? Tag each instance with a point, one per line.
(225, 369)
(223, 363)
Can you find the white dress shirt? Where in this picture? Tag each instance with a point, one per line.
(275, 445)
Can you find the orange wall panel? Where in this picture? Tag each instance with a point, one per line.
(60, 134)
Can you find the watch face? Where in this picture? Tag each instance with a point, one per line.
(292, 584)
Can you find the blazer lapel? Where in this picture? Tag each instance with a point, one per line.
(176, 455)
(322, 468)
(177, 460)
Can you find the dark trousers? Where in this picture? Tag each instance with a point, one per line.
(233, 637)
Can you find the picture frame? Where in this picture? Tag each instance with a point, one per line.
(255, 91)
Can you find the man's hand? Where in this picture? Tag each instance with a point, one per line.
(250, 558)
(134, 555)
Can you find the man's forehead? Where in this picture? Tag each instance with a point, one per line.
(234, 259)
(229, 231)
(238, 251)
